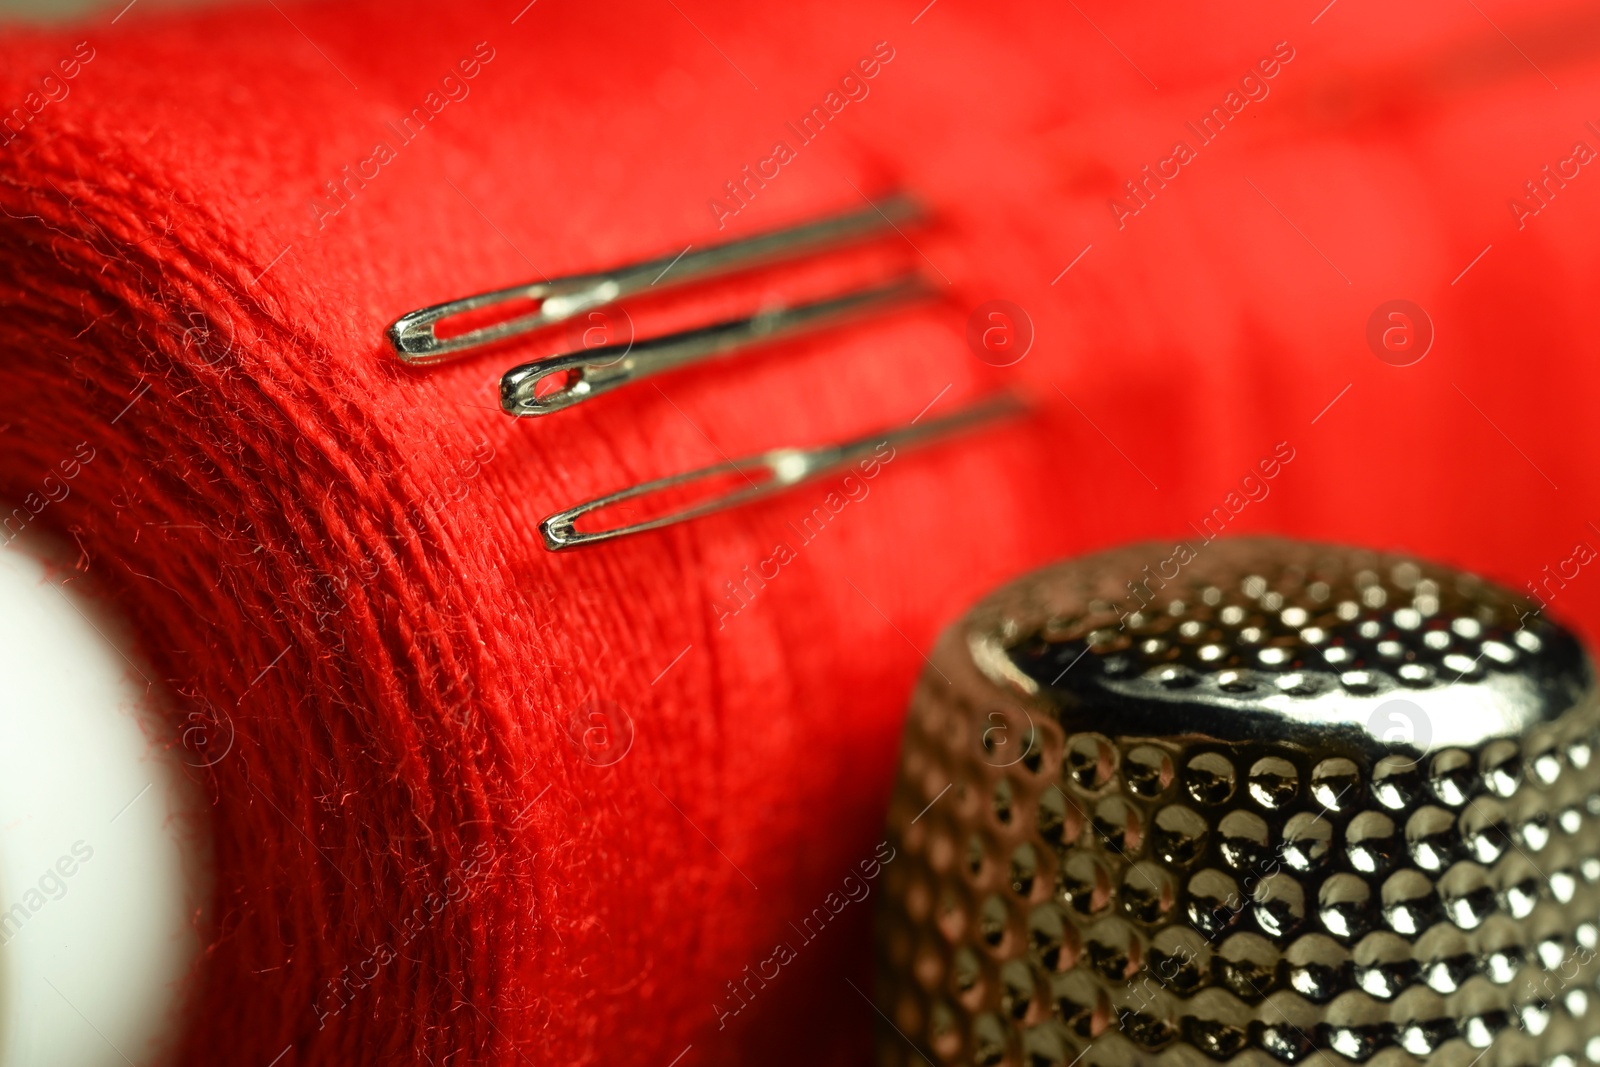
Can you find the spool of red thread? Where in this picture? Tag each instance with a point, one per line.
(414, 859)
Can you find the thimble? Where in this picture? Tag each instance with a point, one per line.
(1256, 802)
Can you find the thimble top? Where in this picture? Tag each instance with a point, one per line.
(1261, 637)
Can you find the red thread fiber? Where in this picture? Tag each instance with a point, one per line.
(340, 558)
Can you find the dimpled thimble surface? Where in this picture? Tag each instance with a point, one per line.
(1257, 802)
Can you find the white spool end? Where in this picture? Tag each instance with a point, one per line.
(101, 855)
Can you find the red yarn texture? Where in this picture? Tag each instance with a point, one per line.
(415, 862)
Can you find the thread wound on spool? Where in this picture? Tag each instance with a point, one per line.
(1295, 800)
(336, 562)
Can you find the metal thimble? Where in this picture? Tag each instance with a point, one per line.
(1255, 802)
